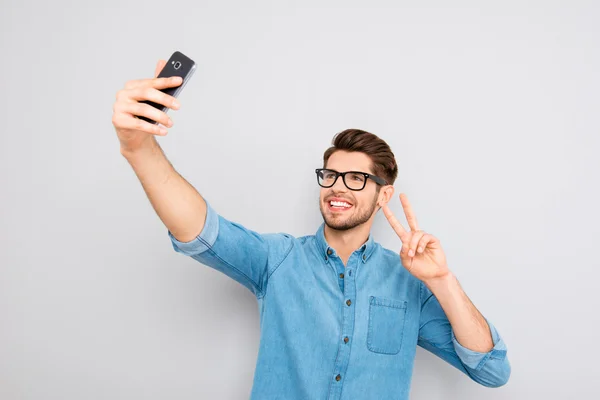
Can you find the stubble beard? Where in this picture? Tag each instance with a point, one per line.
(354, 217)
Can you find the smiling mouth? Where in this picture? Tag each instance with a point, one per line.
(338, 207)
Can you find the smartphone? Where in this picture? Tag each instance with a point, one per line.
(177, 65)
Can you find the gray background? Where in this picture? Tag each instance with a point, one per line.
(491, 110)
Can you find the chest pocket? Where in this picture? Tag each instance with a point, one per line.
(386, 324)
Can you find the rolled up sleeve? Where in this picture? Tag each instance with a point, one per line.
(476, 360)
(240, 253)
(491, 369)
(205, 240)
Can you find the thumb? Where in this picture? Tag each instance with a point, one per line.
(159, 66)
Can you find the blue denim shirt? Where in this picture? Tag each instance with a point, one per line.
(330, 331)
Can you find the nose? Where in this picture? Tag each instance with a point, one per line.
(339, 185)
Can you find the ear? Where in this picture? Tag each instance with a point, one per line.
(385, 195)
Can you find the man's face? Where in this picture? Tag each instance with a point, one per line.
(362, 202)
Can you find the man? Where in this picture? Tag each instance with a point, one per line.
(341, 316)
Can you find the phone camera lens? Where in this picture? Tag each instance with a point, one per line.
(177, 65)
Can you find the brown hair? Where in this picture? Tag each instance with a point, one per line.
(383, 162)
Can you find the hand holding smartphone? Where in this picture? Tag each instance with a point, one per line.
(140, 109)
(177, 65)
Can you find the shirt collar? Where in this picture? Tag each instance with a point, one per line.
(327, 251)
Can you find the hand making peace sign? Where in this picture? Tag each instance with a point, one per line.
(421, 252)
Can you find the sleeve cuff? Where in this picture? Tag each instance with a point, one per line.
(204, 240)
(476, 360)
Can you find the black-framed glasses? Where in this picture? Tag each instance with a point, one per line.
(354, 180)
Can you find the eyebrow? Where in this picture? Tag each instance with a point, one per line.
(354, 170)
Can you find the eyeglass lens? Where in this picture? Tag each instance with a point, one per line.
(352, 180)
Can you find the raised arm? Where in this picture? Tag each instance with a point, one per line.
(193, 225)
(179, 206)
(450, 325)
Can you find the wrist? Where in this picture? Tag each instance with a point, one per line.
(439, 281)
(129, 151)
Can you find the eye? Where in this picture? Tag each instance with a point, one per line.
(357, 177)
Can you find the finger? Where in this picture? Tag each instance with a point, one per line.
(414, 240)
(158, 83)
(405, 248)
(396, 225)
(145, 110)
(126, 121)
(151, 94)
(408, 211)
(159, 66)
(423, 242)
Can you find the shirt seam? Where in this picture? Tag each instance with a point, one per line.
(479, 364)
(287, 252)
(421, 338)
(258, 289)
(316, 248)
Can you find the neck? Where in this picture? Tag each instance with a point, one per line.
(346, 242)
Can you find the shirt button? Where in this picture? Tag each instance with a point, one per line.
(346, 339)
(348, 302)
(342, 275)
(364, 256)
(338, 377)
(329, 251)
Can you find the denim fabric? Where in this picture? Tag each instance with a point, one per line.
(330, 331)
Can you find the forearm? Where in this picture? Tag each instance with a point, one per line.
(470, 327)
(179, 206)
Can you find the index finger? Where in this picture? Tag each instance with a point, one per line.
(396, 225)
(410, 216)
(157, 83)
(154, 95)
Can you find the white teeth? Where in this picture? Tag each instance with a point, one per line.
(339, 204)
